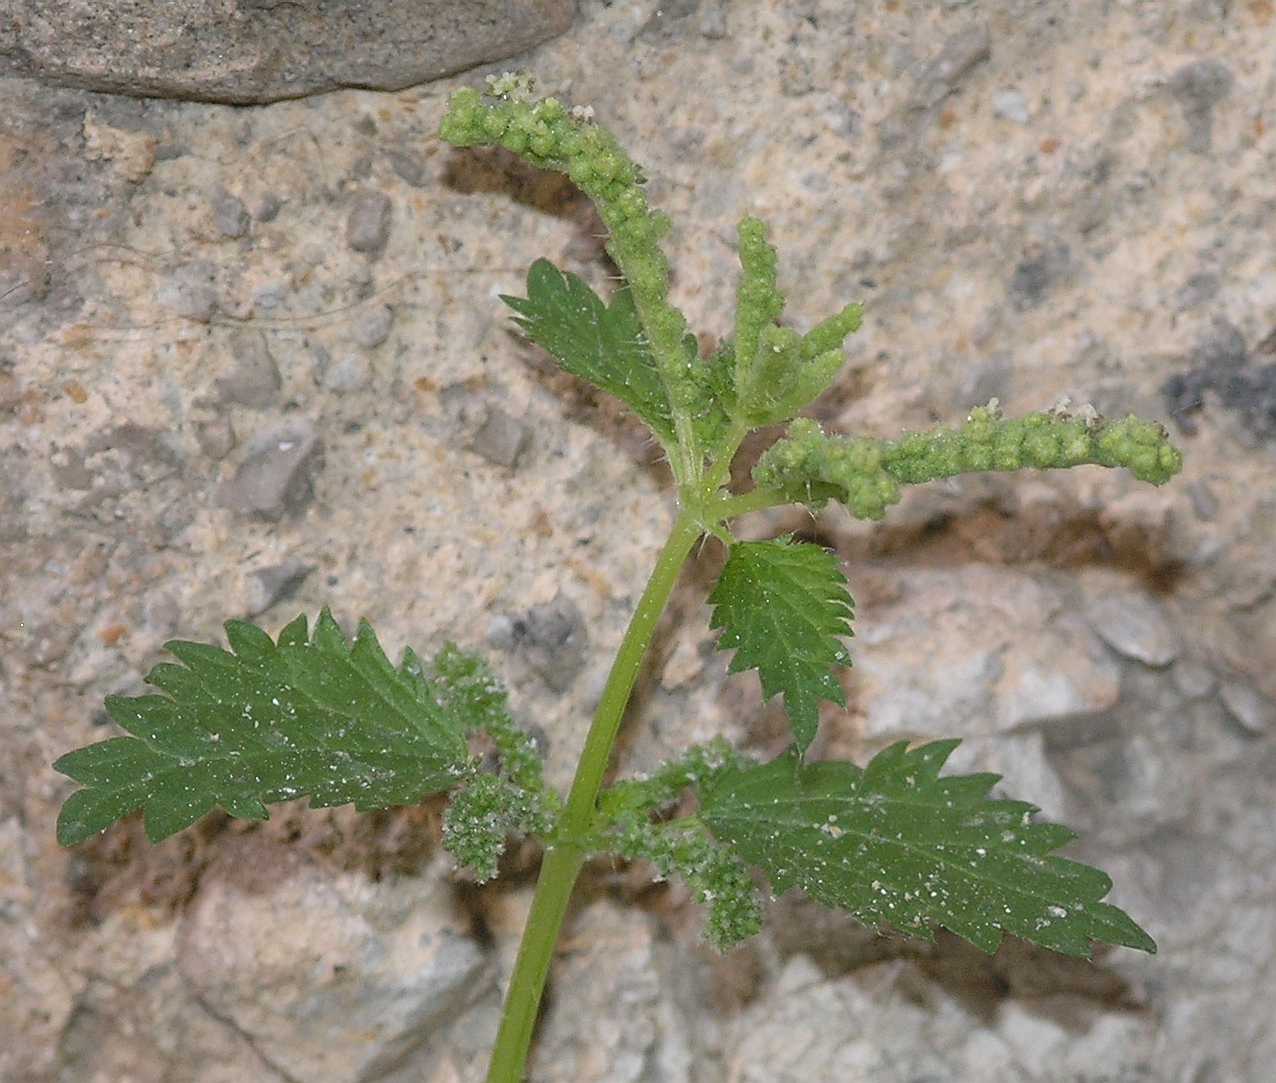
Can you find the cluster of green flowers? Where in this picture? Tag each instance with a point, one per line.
(866, 475)
(550, 136)
(483, 814)
(777, 370)
(684, 846)
(720, 880)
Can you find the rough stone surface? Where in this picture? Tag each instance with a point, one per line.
(255, 380)
(1132, 624)
(1107, 250)
(255, 51)
(368, 227)
(500, 439)
(381, 965)
(275, 477)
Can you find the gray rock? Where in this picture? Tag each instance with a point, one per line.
(1254, 711)
(368, 227)
(255, 380)
(275, 479)
(1135, 626)
(331, 975)
(215, 436)
(263, 50)
(552, 638)
(347, 374)
(409, 168)
(501, 632)
(501, 439)
(713, 20)
(1198, 289)
(1193, 680)
(373, 328)
(961, 54)
(278, 583)
(267, 207)
(230, 216)
(1010, 105)
(1040, 270)
(191, 292)
(1198, 87)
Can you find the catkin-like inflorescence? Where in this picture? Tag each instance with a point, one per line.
(550, 136)
(720, 880)
(758, 300)
(866, 475)
(481, 815)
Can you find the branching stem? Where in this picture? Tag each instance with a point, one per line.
(565, 854)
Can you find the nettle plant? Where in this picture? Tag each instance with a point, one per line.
(311, 714)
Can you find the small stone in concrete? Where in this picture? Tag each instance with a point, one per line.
(1134, 625)
(230, 216)
(1193, 680)
(350, 373)
(368, 227)
(277, 583)
(267, 207)
(501, 439)
(961, 54)
(255, 380)
(191, 292)
(373, 328)
(409, 168)
(1198, 87)
(275, 479)
(555, 639)
(1254, 711)
(1010, 105)
(216, 437)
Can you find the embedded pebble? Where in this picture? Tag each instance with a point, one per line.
(372, 329)
(216, 437)
(275, 479)
(501, 439)
(277, 583)
(409, 168)
(1135, 626)
(960, 55)
(1194, 680)
(255, 380)
(353, 372)
(1010, 105)
(267, 207)
(190, 292)
(368, 227)
(230, 216)
(1254, 711)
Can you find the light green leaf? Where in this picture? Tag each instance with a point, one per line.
(594, 341)
(784, 608)
(896, 845)
(310, 715)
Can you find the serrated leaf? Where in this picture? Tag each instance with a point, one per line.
(896, 845)
(783, 607)
(601, 343)
(308, 715)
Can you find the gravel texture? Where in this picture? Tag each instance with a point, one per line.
(254, 361)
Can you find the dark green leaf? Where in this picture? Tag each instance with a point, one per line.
(310, 716)
(895, 844)
(784, 608)
(596, 342)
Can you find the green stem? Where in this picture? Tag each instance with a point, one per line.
(730, 506)
(565, 855)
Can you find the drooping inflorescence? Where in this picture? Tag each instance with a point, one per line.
(550, 136)
(866, 475)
